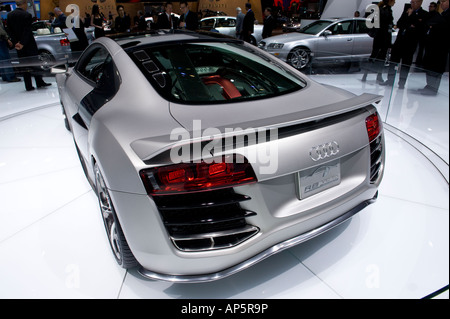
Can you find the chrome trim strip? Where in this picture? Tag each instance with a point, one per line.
(249, 230)
(246, 229)
(259, 257)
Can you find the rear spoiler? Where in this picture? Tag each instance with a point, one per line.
(163, 144)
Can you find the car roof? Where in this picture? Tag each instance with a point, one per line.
(170, 36)
(341, 18)
(221, 17)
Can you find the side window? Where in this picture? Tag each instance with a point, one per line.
(91, 66)
(230, 23)
(99, 69)
(221, 22)
(207, 24)
(344, 27)
(361, 27)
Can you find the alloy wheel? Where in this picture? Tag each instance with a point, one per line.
(107, 212)
(299, 58)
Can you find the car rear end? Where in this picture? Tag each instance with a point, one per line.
(244, 176)
(296, 182)
(55, 47)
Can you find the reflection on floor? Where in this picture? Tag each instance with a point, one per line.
(53, 245)
(424, 117)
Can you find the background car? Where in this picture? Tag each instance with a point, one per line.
(291, 25)
(53, 47)
(227, 25)
(209, 155)
(323, 40)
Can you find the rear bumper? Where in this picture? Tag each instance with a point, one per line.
(262, 255)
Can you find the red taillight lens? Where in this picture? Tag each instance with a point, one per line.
(373, 125)
(223, 172)
(64, 42)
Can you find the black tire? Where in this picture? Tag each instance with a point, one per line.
(119, 246)
(300, 58)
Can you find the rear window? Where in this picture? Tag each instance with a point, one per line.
(214, 72)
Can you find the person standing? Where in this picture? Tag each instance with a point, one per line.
(81, 43)
(269, 23)
(382, 39)
(188, 19)
(436, 50)
(60, 19)
(445, 13)
(6, 70)
(122, 23)
(166, 20)
(432, 9)
(97, 19)
(239, 21)
(248, 24)
(140, 23)
(19, 26)
(411, 29)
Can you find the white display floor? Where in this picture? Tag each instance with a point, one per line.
(53, 244)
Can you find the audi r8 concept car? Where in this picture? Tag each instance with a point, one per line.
(208, 154)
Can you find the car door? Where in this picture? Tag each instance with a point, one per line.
(95, 82)
(362, 43)
(337, 42)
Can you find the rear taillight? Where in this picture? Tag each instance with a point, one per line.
(64, 42)
(373, 125)
(224, 171)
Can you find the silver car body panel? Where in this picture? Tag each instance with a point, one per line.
(132, 132)
(259, 257)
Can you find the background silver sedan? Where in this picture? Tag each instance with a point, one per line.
(322, 40)
(209, 155)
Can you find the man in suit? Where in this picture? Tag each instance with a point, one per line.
(188, 19)
(248, 24)
(239, 21)
(412, 28)
(166, 20)
(122, 23)
(6, 70)
(19, 26)
(436, 49)
(269, 23)
(446, 15)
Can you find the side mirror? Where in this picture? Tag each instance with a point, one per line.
(326, 33)
(59, 69)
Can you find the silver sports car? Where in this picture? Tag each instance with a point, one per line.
(323, 40)
(208, 154)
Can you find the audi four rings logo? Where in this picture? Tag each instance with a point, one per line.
(323, 151)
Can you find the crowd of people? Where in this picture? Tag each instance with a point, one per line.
(417, 29)
(420, 32)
